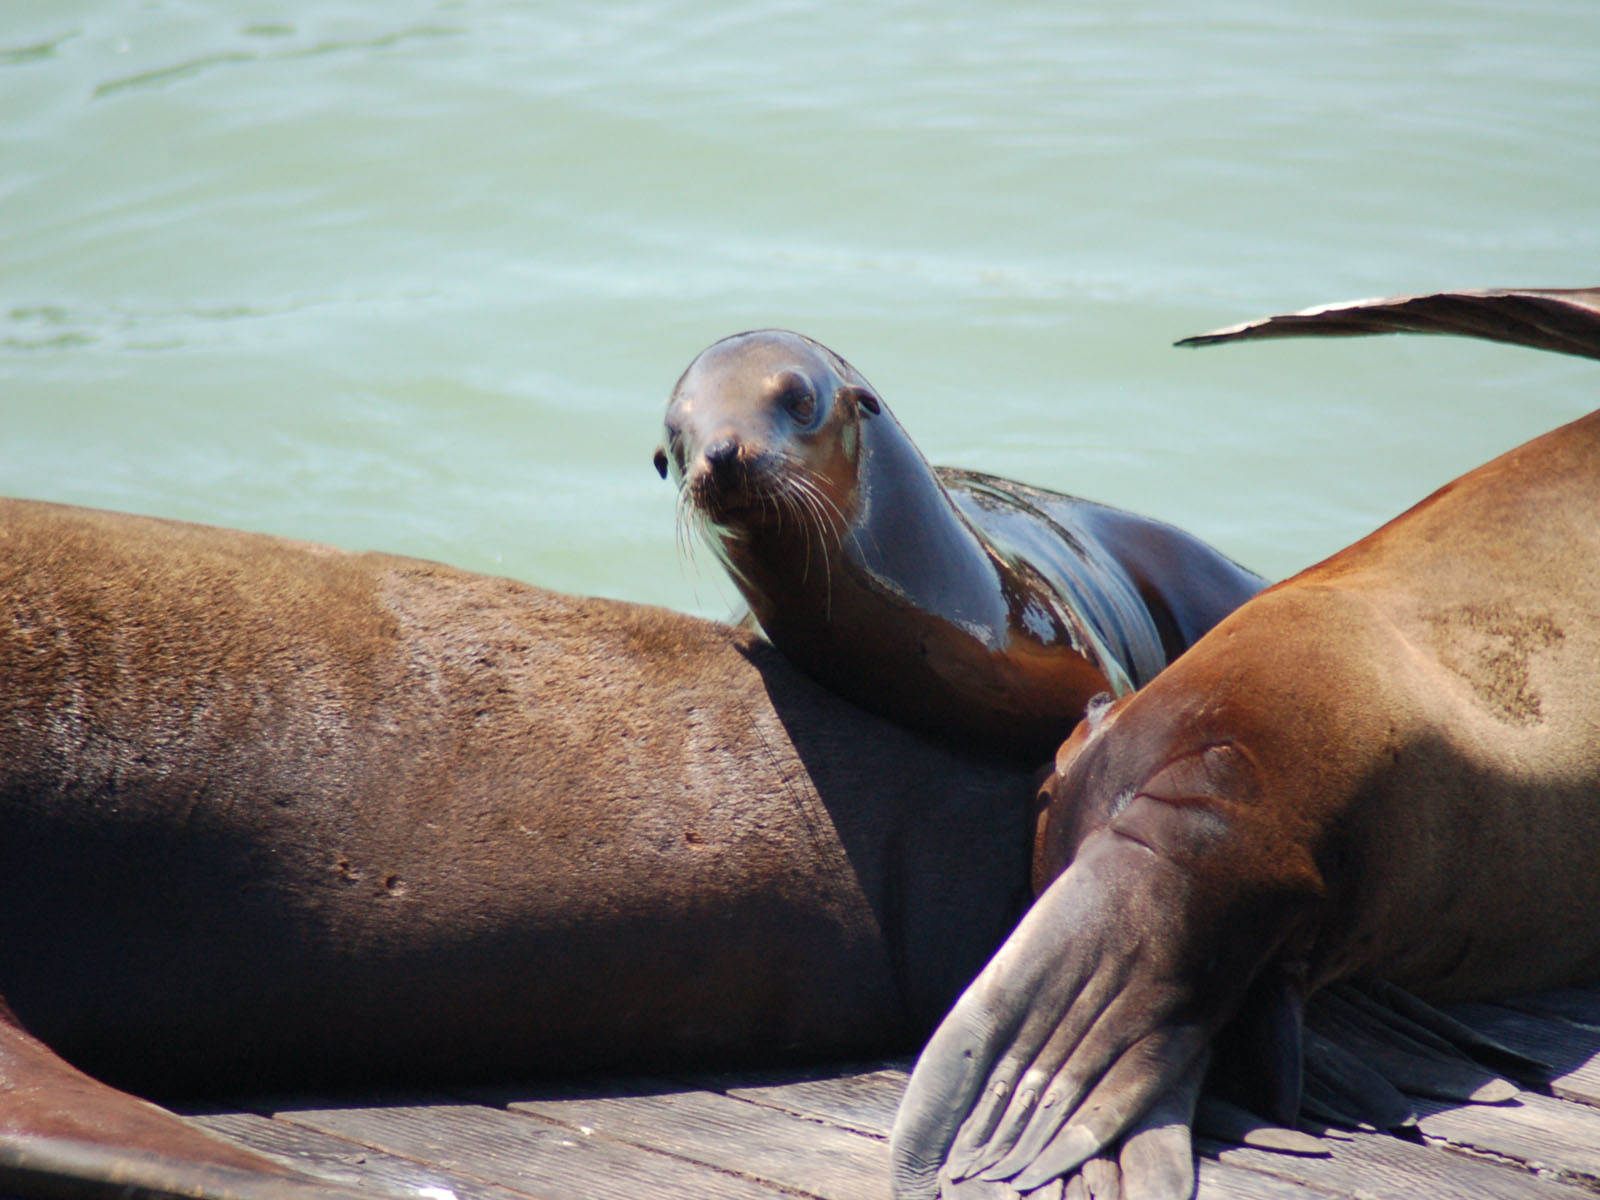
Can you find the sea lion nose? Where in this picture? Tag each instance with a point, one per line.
(722, 458)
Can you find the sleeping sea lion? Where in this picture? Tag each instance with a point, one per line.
(960, 603)
(272, 814)
(1385, 767)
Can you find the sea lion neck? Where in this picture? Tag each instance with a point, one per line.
(897, 541)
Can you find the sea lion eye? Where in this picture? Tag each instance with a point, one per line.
(795, 394)
(802, 406)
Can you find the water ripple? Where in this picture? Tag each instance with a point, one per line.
(26, 54)
(46, 327)
(162, 76)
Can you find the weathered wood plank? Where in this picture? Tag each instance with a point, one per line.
(1545, 1133)
(551, 1161)
(355, 1163)
(1223, 1181)
(1381, 1167)
(347, 1162)
(863, 1097)
(822, 1133)
(706, 1127)
(1573, 1050)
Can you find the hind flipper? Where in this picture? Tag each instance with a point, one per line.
(1566, 320)
(63, 1133)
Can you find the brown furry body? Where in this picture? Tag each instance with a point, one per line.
(277, 814)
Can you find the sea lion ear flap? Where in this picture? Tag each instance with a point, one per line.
(864, 397)
(661, 461)
(1095, 710)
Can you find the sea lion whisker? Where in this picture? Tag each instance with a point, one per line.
(800, 504)
(680, 526)
(829, 520)
(689, 523)
(696, 526)
(837, 522)
(805, 498)
(844, 528)
(819, 505)
(679, 530)
(805, 475)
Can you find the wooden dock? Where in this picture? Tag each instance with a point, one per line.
(824, 1134)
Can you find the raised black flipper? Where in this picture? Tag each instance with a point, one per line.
(1414, 1059)
(1566, 320)
(1343, 1090)
(1411, 1014)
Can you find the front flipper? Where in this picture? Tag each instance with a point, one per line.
(1566, 320)
(65, 1134)
(1087, 1035)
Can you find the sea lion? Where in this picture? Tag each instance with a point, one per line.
(960, 603)
(1383, 767)
(276, 814)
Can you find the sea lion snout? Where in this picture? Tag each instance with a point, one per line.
(721, 459)
(730, 473)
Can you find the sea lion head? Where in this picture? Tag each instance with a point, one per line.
(765, 428)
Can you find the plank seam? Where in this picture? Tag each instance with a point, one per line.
(1531, 1166)
(585, 1131)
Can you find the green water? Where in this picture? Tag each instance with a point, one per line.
(420, 276)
